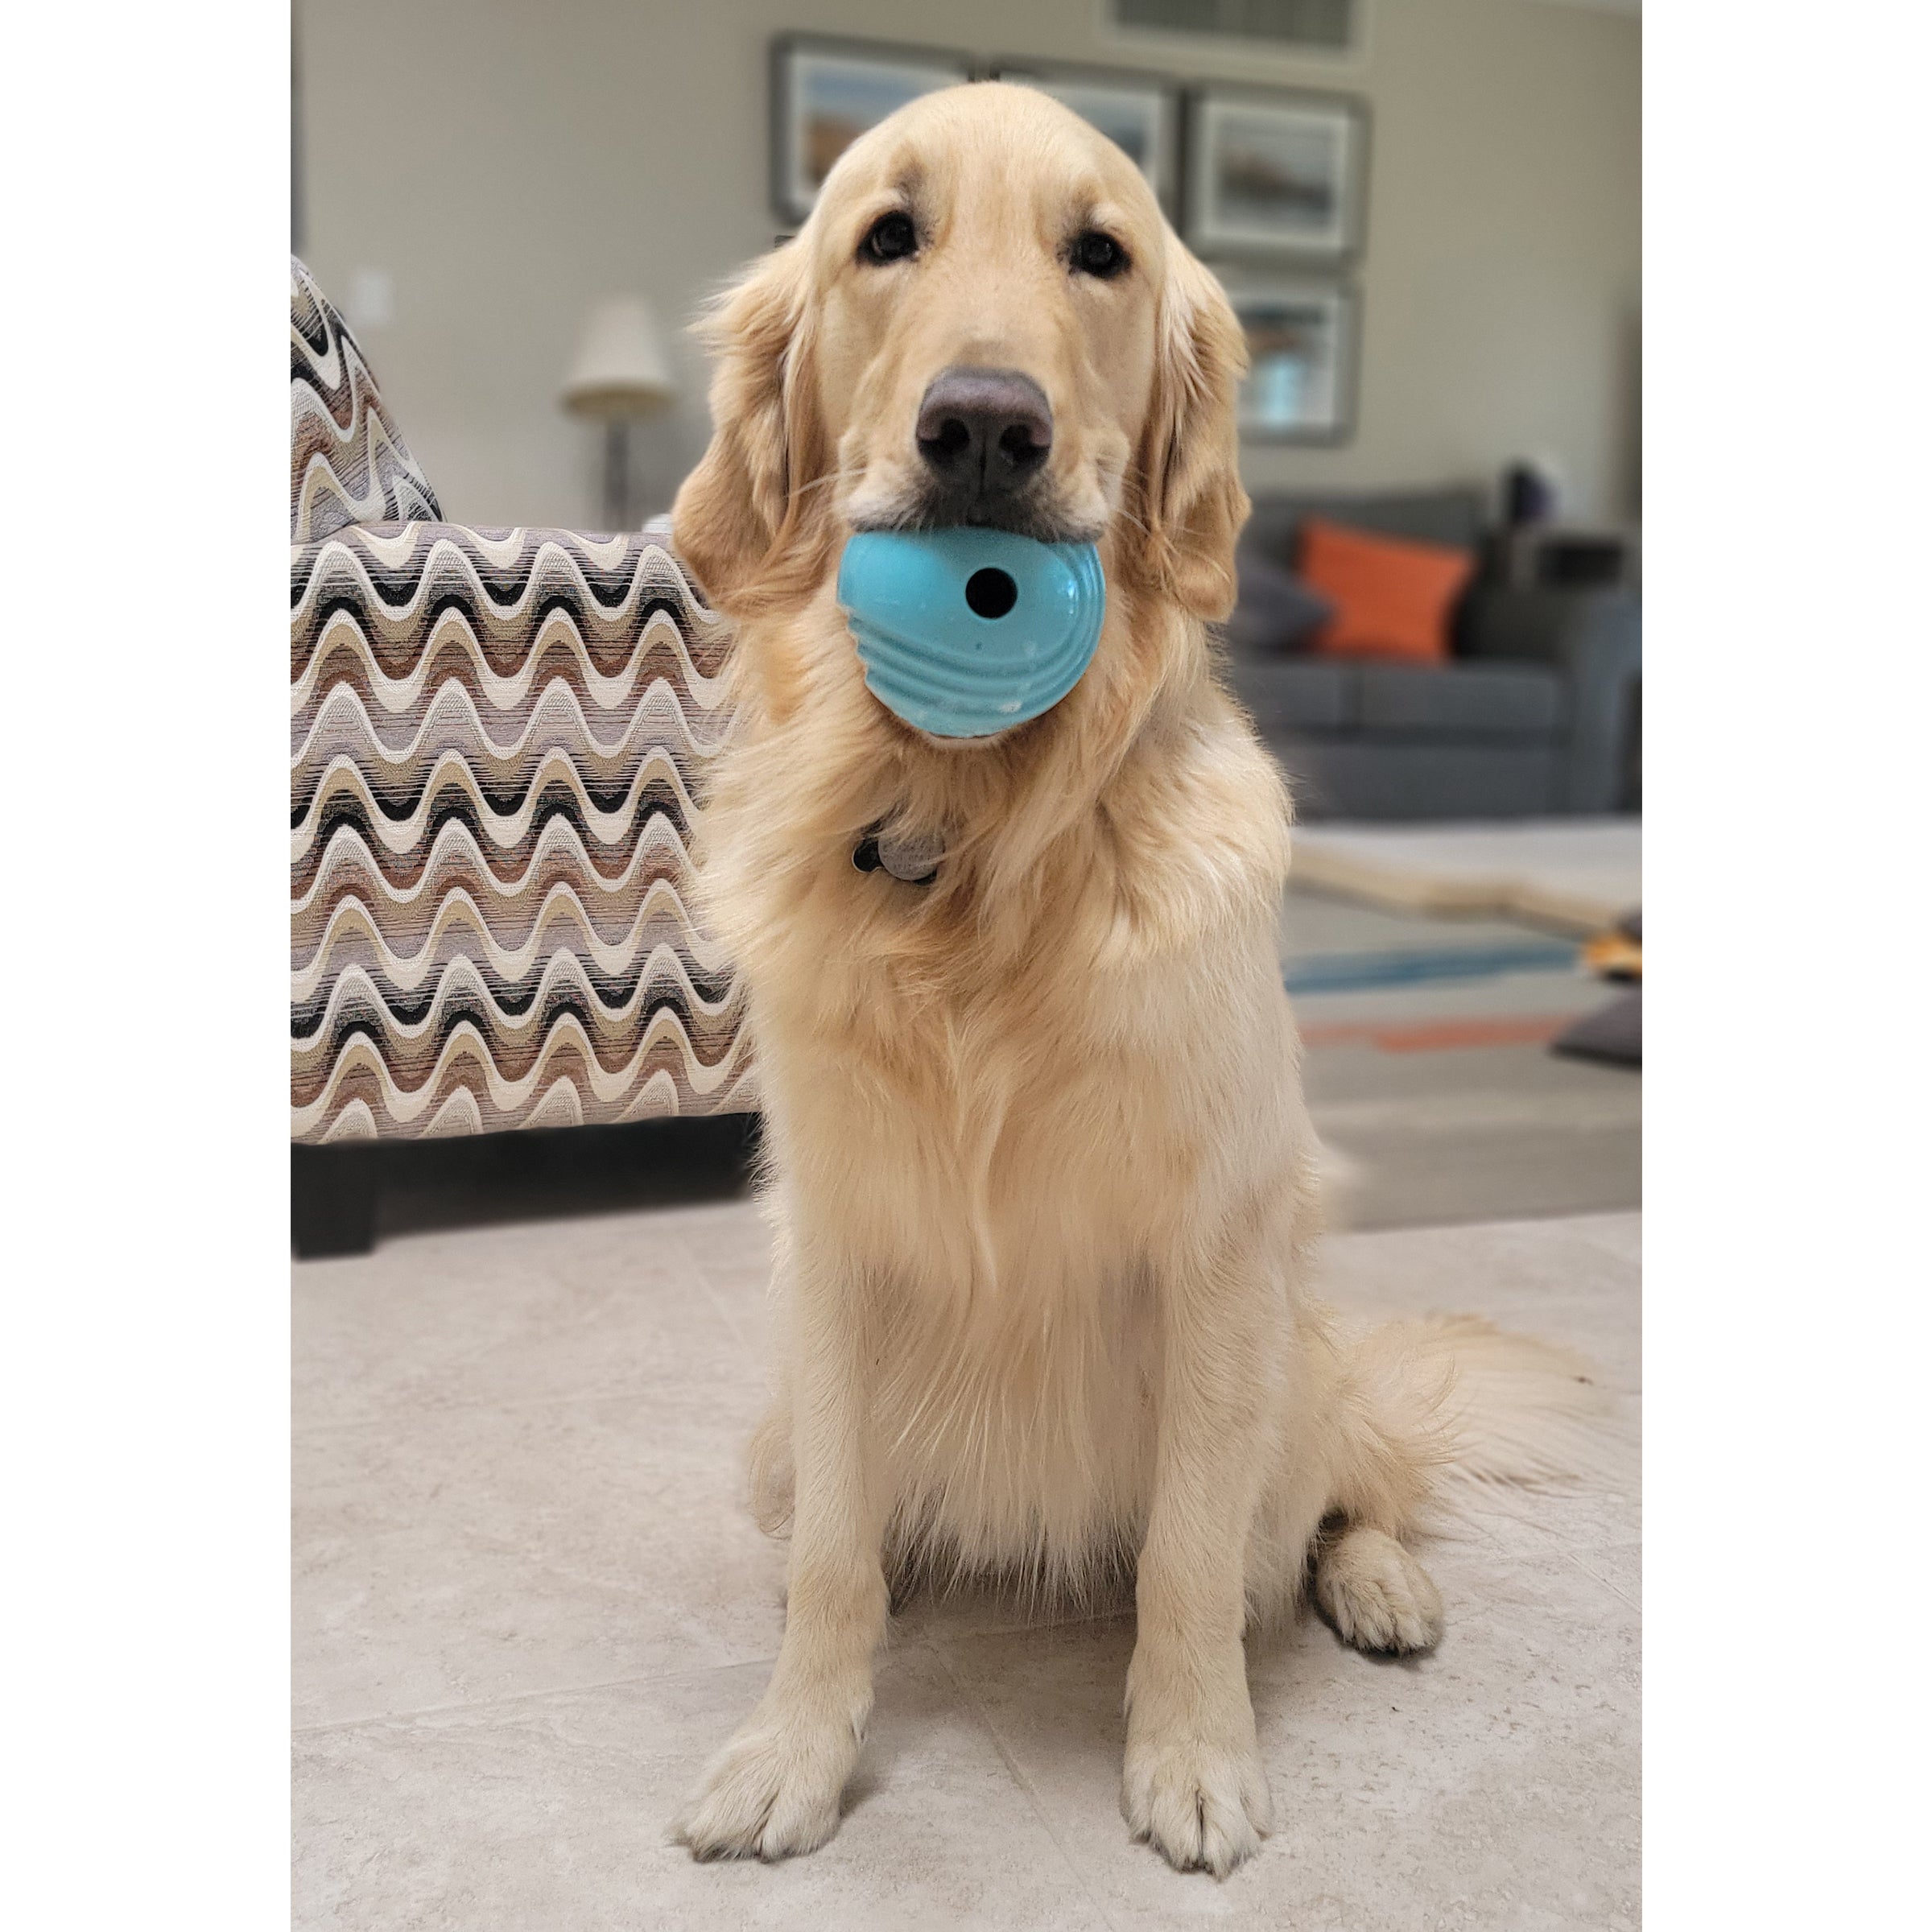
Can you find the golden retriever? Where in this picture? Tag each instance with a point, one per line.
(1043, 1186)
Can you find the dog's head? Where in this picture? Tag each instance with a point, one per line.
(986, 320)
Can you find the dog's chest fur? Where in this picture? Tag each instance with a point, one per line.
(1003, 1114)
(1014, 1156)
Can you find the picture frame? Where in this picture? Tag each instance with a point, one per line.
(1140, 112)
(825, 92)
(1275, 172)
(1157, 29)
(1302, 338)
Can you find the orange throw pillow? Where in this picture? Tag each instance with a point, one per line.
(1392, 599)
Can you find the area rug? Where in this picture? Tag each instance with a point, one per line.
(1575, 875)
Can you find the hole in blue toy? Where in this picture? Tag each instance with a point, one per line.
(991, 593)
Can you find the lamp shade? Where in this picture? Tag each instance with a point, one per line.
(620, 370)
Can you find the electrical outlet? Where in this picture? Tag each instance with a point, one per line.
(371, 299)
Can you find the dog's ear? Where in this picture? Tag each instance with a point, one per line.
(744, 495)
(1191, 452)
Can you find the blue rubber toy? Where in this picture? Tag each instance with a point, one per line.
(964, 632)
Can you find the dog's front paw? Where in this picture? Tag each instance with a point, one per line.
(772, 1791)
(1376, 1594)
(1202, 1802)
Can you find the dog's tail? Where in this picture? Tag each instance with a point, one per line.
(1437, 1403)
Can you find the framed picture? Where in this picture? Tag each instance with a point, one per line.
(826, 93)
(1300, 386)
(1140, 113)
(1332, 32)
(1276, 173)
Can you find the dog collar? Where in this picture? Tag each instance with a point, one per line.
(914, 860)
(966, 632)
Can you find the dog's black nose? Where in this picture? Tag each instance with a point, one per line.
(984, 432)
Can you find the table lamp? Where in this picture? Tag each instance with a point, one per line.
(620, 375)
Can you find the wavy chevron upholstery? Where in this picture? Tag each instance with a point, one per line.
(495, 737)
(348, 463)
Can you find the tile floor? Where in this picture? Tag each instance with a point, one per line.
(528, 1606)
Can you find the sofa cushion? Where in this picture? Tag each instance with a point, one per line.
(1392, 597)
(1455, 517)
(1365, 778)
(1286, 693)
(1273, 610)
(1466, 701)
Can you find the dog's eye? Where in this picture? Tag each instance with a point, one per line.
(891, 238)
(1095, 253)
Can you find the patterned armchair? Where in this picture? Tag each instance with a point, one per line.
(496, 735)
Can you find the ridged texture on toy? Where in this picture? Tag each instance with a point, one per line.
(929, 659)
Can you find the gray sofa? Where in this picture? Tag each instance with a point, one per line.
(1535, 714)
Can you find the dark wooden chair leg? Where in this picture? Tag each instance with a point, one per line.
(332, 1200)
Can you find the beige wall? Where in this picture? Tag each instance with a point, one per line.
(504, 162)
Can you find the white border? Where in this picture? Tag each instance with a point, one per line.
(147, 1418)
(1787, 712)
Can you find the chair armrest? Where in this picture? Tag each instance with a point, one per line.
(349, 463)
(1595, 638)
(497, 737)
(1552, 626)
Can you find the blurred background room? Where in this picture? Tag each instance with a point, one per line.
(1427, 214)
(532, 1289)
(475, 176)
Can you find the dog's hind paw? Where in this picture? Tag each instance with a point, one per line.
(1376, 1594)
(1204, 1806)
